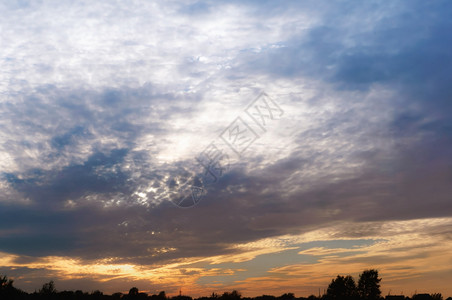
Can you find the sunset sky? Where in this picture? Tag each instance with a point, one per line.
(107, 109)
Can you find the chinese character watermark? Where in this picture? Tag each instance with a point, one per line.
(214, 160)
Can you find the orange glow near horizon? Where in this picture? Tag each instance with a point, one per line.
(408, 260)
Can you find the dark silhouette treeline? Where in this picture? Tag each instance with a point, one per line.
(340, 288)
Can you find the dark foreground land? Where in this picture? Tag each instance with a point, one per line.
(340, 288)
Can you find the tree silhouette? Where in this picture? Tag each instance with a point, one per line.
(5, 283)
(7, 290)
(133, 293)
(369, 285)
(48, 288)
(97, 295)
(422, 297)
(234, 295)
(287, 296)
(342, 288)
(162, 295)
(437, 296)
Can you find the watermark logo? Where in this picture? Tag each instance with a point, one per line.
(239, 136)
(215, 162)
(264, 110)
(187, 190)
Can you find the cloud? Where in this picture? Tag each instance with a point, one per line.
(105, 107)
(400, 250)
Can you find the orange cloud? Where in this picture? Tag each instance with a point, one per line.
(410, 255)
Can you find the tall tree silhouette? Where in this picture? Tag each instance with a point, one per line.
(342, 288)
(133, 293)
(5, 283)
(369, 285)
(7, 290)
(48, 288)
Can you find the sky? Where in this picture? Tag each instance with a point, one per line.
(206, 146)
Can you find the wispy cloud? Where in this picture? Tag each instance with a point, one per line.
(102, 105)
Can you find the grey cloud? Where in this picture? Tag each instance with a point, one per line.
(398, 146)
